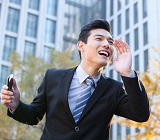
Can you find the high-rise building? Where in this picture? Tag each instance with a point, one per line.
(137, 22)
(77, 14)
(29, 27)
(37, 26)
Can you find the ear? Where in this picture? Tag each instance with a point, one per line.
(80, 45)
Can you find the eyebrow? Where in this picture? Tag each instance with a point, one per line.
(108, 38)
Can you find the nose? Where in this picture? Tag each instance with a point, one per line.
(106, 44)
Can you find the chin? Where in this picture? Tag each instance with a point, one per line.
(101, 62)
(104, 63)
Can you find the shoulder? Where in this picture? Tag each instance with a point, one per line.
(55, 71)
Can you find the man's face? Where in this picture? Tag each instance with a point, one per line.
(98, 50)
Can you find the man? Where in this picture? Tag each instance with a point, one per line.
(60, 94)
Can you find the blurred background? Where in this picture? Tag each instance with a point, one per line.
(39, 34)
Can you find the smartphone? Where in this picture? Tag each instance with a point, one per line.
(10, 82)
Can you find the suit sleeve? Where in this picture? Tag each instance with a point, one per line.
(132, 100)
(32, 113)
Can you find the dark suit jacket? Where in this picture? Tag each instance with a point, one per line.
(109, 98)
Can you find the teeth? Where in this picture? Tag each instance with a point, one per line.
(104, 53)
(107, 54)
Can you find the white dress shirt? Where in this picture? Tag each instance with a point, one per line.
(77, 85)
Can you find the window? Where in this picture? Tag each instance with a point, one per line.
(128, 130)
(119, 77)
(127, 18)
(46, 54)
(145, 33)
(135, 13)
(13, 20)
(144, 8)
(126, 2)
(118, 132)
(111, 73)
(119, 25)
(119, 5)
(137, 62)
(112, 26)
(32, 22)
(102, 8)
(128, 38)
(16, 1)
(34, 4)
(29, 49)
(5, 71)
(50, 31)
(137, 130)
(111, 7)
(10, 44)
(52, 7)
(136, 39)
(145, 60)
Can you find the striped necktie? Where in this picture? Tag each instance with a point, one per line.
(82, 101)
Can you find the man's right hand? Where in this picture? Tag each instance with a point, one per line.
(8, 98)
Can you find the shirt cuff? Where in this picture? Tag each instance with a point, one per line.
(133, 75)
(12, 111)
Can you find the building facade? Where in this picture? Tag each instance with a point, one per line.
(37, 26)
(77, 14)
(137, 22)
(29, 27)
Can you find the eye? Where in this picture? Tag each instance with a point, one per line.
(99, 39)
(110, 42)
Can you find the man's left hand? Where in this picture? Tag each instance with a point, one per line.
(123, 62)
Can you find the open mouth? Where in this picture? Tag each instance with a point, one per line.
(104, 53)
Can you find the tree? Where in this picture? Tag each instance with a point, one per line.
(151, 81)
(29, 74)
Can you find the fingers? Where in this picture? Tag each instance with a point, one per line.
(121, 46)
(5, 87)
(6, 91)
(6, 95)
(6, 99)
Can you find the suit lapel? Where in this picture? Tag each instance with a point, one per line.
(66, 82)
(101, 87)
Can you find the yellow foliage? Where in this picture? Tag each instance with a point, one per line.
(151, 81)
(29, 74)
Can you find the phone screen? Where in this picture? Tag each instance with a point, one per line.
(10, 82)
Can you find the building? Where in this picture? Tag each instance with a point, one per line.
(77, 14)
(29, 27)
(137, 22)
(34, 26)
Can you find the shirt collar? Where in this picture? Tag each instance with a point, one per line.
(82, 75)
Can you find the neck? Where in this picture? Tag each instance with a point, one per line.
(91, 70)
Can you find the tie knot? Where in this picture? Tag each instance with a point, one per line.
(90, 81)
